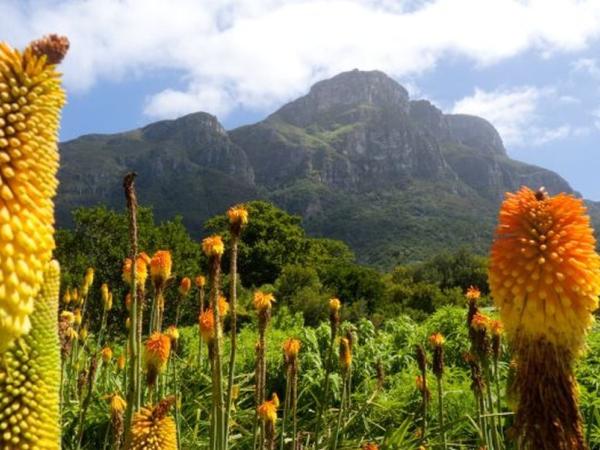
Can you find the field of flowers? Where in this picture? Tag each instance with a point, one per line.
(518, 368)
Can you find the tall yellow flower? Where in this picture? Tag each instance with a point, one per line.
(152, 429)
(545, 279)
(345, 354)
(160, 267)
(30, 376)
(238, 218)
(213, 246)
(141, 270)
(31, 99)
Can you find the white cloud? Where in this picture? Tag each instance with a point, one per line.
(587, 65)
(258, 53)
(515, 114)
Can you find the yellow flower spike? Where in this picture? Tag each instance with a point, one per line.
(184, 286)
(200, 281)
(152, 429)
(89, 277)
(160, 267)
(173, 333)
(107, 355)
(77, 316)
(83, 333)
(223, 307)
(67, 297)
(30, 376)
(334, 305)
(545, 279)
(31, 99)
(345, 354)
(238, 218)
(68, 317)
(106, 297)
(141, 270)
(121, 362)
(117, 404)
(213, 246)
(263, 301)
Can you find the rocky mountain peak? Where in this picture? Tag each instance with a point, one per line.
(344, 92)
(188, 126)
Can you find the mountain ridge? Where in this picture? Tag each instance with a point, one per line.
(395, 178)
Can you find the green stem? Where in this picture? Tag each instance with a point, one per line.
(286, 405)
(441, 411)
(233, 300)
(340, 413)
(328, 367)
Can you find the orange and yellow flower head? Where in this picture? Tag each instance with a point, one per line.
(31, 99)
(267, 411)
(291, 348)
(173, 333)
(473, 293)
(107, 355)
(156, 355)
(545, 279)
(200, 281)
(141, 271)
(370, 446)
(263, 300)
(160, 267)
(544, 270)
(480, 322)
(206, 321)
(184, 286)
(223, 307)
(213, 246)
(437, 340)
(238, 218)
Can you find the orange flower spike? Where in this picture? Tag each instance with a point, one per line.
(184, 286)
(223, 307)
(437, 340)
(161, 265)
(473, 293)
(213, 246)
(206, 322)
(480, 322)
(544, 270)
(291, 348)
(238, 214)
(267, 411)
(158, 349)
(263, 301)
(370, 446)
(496, 328)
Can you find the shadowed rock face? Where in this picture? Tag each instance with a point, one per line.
(397, 179)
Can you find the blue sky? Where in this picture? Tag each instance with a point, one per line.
(530, 67)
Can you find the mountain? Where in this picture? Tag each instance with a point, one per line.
(395, 178)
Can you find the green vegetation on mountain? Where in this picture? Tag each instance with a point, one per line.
(356, 159)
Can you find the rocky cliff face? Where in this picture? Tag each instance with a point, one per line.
(356, 157)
